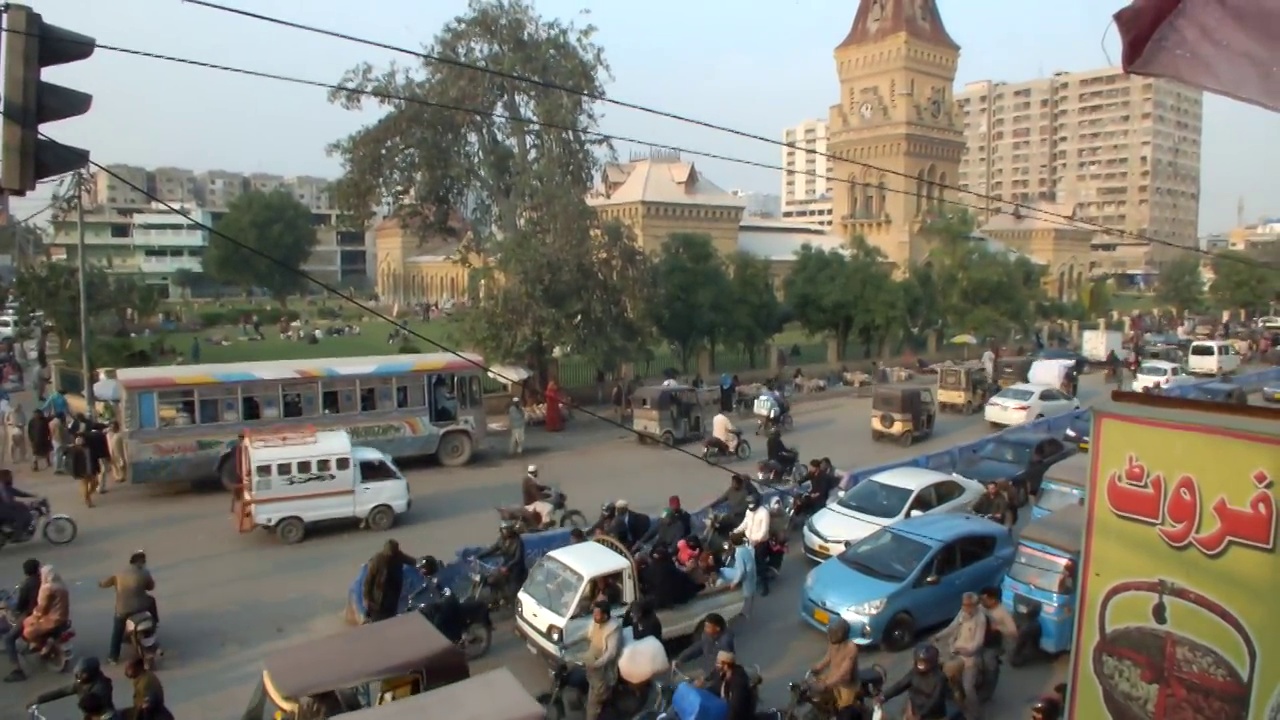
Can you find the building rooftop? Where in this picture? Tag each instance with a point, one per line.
(1042, 216)
(879, 20)
(778, 241)
(660, 178)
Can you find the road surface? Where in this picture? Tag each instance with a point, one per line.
(228, 599)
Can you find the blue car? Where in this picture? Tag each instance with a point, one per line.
(907, 577)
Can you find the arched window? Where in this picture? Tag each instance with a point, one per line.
(920, 193)
(942, 189)
(883, 194)
(852, 192)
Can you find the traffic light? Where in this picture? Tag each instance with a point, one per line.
(30, 45)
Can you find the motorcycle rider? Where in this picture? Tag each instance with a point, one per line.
(755, 526)
(778, 452)
(673, 526)
(512, 569)
(1002, 631)
(837, 671)
(15, 515)
(148, 693)
(925, 686)
(604, 640)
(993, 505)
(968, 636)
(716, 638)
(88, 680)
(605, 523)
(24, 604)
(133, 587)
(734, 687)
(724, 436)
(821, 482)
(736, 496)
(533, 496)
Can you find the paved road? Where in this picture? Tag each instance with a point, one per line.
(228, 599)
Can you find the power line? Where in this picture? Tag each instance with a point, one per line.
(1046, 216)
(1023, 207)
(347, 297)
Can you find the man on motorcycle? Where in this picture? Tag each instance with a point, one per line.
(778, 452)
(511, 572)
(993, 505)
(133, 587)
(837, 671)
(821, 482)
(724, 436)
(755, 527)
(716, 638)
(925, 685)
(734, 687)
(674, 526)
(968, 636)
(148, 693)
(24, 605)
(533, 495)
(89, 680)
(15, 515)
(999, 622)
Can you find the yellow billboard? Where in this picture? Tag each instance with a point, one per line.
(1179, 614)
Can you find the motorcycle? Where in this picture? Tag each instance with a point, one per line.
(58, 652)
(467, 623)
(713, 453)
(484, 591)
(140, 631)
(806, 705)
(527, 521)
(55, 529)
(650, 700)
(667, 689)
(773, 473)
(764, 424)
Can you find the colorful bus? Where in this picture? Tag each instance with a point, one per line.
(182, 420)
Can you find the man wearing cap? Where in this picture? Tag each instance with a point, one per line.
(604, 640)
(628, 527)
(516, 420)
(533, 494)
(734, 687)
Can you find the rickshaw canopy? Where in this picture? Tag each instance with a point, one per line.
(495, 695)
(895, 399)
(1062, 530)
(363, 654)
(658, 397)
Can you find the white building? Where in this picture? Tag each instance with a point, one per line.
(806, 181)
(759, 205)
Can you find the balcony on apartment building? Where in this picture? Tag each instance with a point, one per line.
(168, 264)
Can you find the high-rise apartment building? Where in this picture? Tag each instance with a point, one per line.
(127, 232)
(806, 189)
(1124, 148)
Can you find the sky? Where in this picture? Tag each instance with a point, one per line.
(754, 65)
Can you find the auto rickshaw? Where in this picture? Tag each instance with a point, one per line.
(495, 695)
(362, 667)
(1011, 371)
(671, 414)
(1063, 485)
(1040, 587)
(903, 414)
(1168, 353)
(963, 389)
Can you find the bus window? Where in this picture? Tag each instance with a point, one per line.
(175, 407)
(476, 393)
(376, 394)
(218, 405)
(338, 396)
(411, 392)
(299, 399)
(260, 402)
(444, 404)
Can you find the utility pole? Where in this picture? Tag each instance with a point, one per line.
(82, 279)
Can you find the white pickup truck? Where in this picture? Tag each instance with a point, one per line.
(553, 609)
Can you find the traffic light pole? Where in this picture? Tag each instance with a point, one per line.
(82, 273)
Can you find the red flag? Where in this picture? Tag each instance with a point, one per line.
(1224, 46)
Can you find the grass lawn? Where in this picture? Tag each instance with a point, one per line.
(371, 341)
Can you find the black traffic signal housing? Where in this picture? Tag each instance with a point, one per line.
(30, 45)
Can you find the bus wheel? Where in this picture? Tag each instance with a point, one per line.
(228, 474)
(455, 449)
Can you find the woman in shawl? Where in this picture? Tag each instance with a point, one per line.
(41, 439)
(52, 614)
(555, 415)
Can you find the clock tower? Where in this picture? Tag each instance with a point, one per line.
(895, 131)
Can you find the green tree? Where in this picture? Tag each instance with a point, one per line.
(185, 280)
(1241, 281)
(1181, 286)
(52, 288)
(1097, 300)
(692, 302)
(521, 186)
(755, 315)
(274, 224)
(818, 294)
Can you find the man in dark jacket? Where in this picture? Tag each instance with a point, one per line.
(628, 527)
(734, 687)
(925, 685)
(95, 438)
(740, 490)
(644, 621)
(384, 582)
(13, 512)
(716, 637)
(80, 464)
(148, 693)
(89, 680)
(674, 526)
(994, 505)
(28, 590)
(666, 584)
(512, 569)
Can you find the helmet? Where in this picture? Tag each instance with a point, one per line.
(1046, 708)
(753, 502)
(606, 509)
(838, 631)
(428, 564)
(926, 658)
(506, 526)
(532, 470)
(87, 668)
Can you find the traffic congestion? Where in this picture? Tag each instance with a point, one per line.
(911, 547)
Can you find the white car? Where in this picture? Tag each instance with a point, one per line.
(1025, 402)
(1269, 322)
(1160, 374)
(883, 499)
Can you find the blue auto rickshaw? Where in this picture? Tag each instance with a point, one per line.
(1040, 587)
(1063, 485)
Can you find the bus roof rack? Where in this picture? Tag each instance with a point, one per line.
(282, 437)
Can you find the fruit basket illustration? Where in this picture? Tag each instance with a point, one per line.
(1151, 672)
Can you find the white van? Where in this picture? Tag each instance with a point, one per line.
(1212, 357)
(295, 479)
